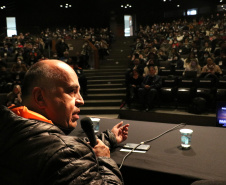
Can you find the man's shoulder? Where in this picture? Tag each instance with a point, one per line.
(38, 132)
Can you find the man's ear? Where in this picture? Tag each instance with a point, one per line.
(38, 97)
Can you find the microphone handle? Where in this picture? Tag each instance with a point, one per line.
(92, 138)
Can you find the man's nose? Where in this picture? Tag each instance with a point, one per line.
(79, 101)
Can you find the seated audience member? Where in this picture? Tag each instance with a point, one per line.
(35, 148)
(202, 58)
(162, 55)
(211, 69)
(166, 47)
(135, 65)
(221, 60)
(177, 62)
(3, 64)
(84, 56)
(132, 86)
(138, 55)
(18, 70)
(14, 97)
(191, 56)
(207, 47)
(185, 48)
(193, 66)
(149, 63)
(31, 60)
(148, 92)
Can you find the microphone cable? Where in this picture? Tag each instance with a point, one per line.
(147, 141)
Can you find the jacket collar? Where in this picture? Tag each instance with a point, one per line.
(25, 113)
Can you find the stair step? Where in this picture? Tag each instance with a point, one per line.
(106, 77)
(106, 85)
(107, 90)
(98, 103)
(104, 96)
(86, 71)
(96, 86)
(108, 81)
(100, 110)
(116, 66)
(105, 73)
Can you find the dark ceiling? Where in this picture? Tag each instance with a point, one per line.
(91, 12)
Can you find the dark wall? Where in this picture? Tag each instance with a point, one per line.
(39, 14)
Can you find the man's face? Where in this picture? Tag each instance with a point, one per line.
(209, 61)
(63, 101)
(152, 71)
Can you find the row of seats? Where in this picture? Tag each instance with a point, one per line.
(177, 72)
(181, 91)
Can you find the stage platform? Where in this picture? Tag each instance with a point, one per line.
(169, 116)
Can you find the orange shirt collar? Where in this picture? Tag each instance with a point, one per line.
(25, 113)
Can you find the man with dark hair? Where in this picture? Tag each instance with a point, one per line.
(149, 89)
(34, 146)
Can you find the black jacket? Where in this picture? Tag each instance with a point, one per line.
(154, 82)
(35, 152)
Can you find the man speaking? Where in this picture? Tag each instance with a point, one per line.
(35, 148)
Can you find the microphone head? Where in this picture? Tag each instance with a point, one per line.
(86, 124)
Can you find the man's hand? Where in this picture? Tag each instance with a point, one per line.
(101, 150)
(121, 132)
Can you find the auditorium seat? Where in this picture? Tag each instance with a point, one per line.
(168, 91)
(221, 90)
(185, 91)
(178, 72)
(206, 89)
(164, 64)
(165, 72)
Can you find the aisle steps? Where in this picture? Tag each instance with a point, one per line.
(106, 86)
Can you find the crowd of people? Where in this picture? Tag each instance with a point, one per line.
(19, 52)
(196, 45)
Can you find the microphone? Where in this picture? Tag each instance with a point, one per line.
(87, 126)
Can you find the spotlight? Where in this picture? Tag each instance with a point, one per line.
(126, 6)
(65, 6)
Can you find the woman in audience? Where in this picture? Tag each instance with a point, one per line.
(188, 60)
(193, 66)
(14, 97)
(211, 70)
(150, 62)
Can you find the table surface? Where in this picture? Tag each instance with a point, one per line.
(206, 159)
